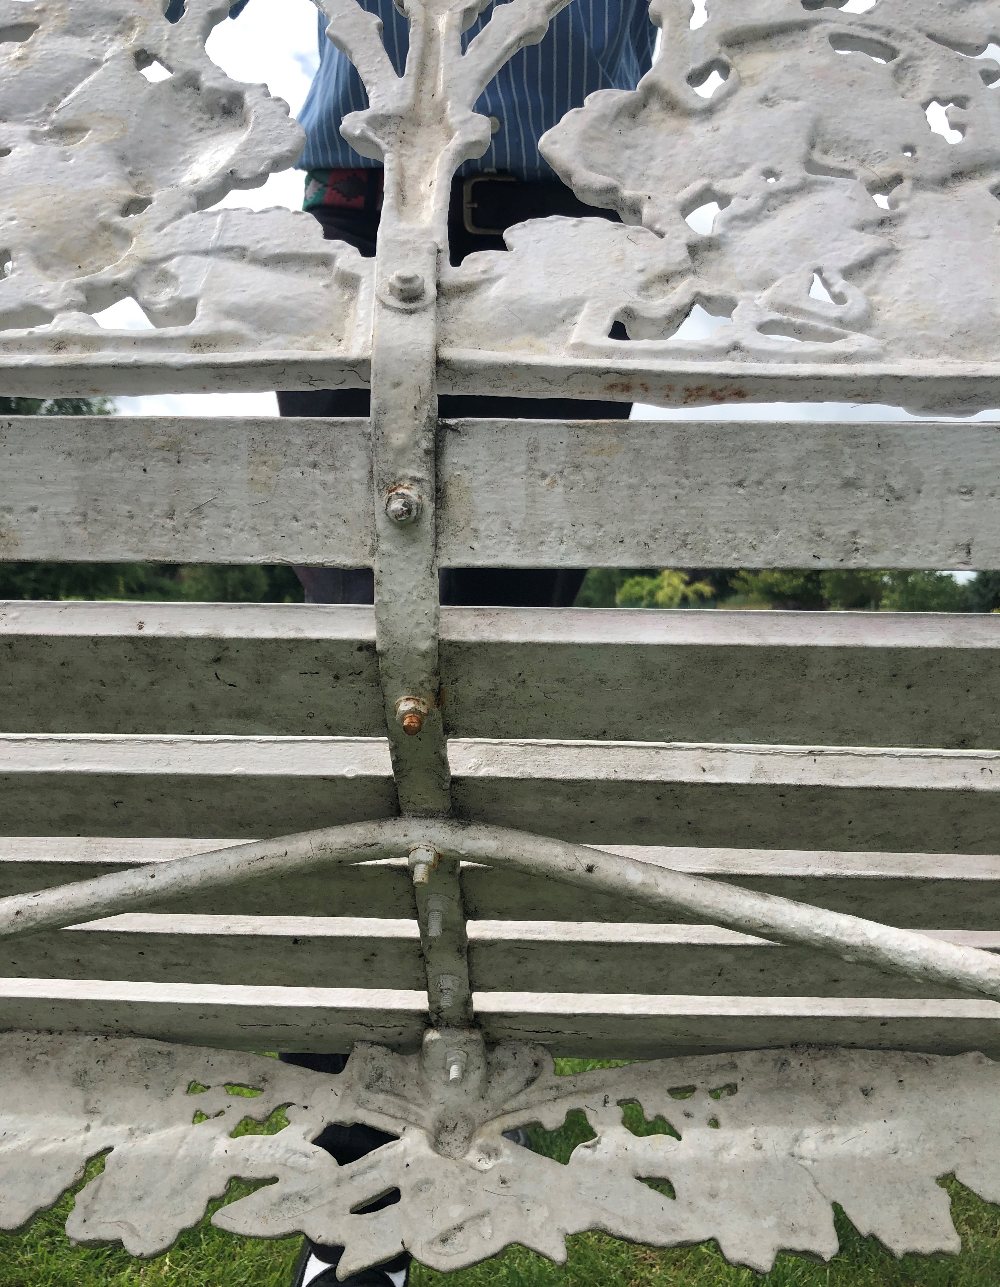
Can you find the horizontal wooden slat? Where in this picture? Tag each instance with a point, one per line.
(226, 668)
(170, 786)
(302, 951)
(752, 797)
(603, 494)
(516, 956)
(722, 494)
(699, 960)
(232, 1016)
(869, 679)
(608, 1026)
(841, 679)
(632, 1026)
(185, 490)
(910, 890)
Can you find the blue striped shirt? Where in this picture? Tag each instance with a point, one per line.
(591, 45)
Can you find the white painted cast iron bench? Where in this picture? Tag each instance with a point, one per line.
(505, 835)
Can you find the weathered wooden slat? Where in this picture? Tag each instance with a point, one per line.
(860, 679)
(185, 490)
(232, 1016)
(632, 1026)
(840, 679)
(910, 890)
(722, 494)
(754, 797)
(595, 1026)
(697, 960)
(516, 956)
(195, 668)
(638, 493)
(618, 793)
(168, 786)
(868, 679)
(302, 951)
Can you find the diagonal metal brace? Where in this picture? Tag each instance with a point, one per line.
(897, 951)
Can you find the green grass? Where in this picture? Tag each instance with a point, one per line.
(42, 1256)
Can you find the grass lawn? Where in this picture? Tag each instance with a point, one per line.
(42, 1256)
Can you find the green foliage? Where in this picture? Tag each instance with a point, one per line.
(56, 407)
(601, 585)
(778, 588)
(983, 592)
(924, 592)
(791, 589)
(668, 589)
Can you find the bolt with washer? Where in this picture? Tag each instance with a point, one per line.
(411, 713)
(403, 504)
(408, 288)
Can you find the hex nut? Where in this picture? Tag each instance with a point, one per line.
(408, 288)
(411, 713)
(403, 504)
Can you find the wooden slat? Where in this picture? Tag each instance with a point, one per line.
(868, 679)
(301, 951)
(753, 797)
(194, 668)
(185, 490)
(515, 956)
(632, 1026)
(841, 679)
(232, 1016)
(723, 494)
(698, 960)
(608, 1026)
(910, 890)
(168, 786)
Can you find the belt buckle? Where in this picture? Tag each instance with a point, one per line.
(469, 203)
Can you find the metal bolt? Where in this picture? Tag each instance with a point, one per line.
(435, 924)
(406, 287)
(402, 504)
(411, 713)
(456, 1065)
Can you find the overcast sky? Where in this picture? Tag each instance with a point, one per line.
(275, 42)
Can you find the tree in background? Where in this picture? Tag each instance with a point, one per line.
(790, 590)
(145, 581)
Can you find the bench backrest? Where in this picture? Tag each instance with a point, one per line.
(760, 750)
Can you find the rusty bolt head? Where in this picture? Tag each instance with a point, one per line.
(411, 713)
(408, 288)
(402, 504)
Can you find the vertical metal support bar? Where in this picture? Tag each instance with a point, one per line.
(443, 940)
(404, 428)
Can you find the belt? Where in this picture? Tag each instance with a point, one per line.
(487, 204)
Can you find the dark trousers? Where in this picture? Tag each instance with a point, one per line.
(513, 587)
(495, 587)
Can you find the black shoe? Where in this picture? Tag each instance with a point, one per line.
(317, 1267)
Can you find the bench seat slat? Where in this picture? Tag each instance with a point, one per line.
(757, 797)
(722, 495)
(855, 679)
(608, 1026)
(510, 956)
(275, 950)
(186, 490)
(910, 890)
